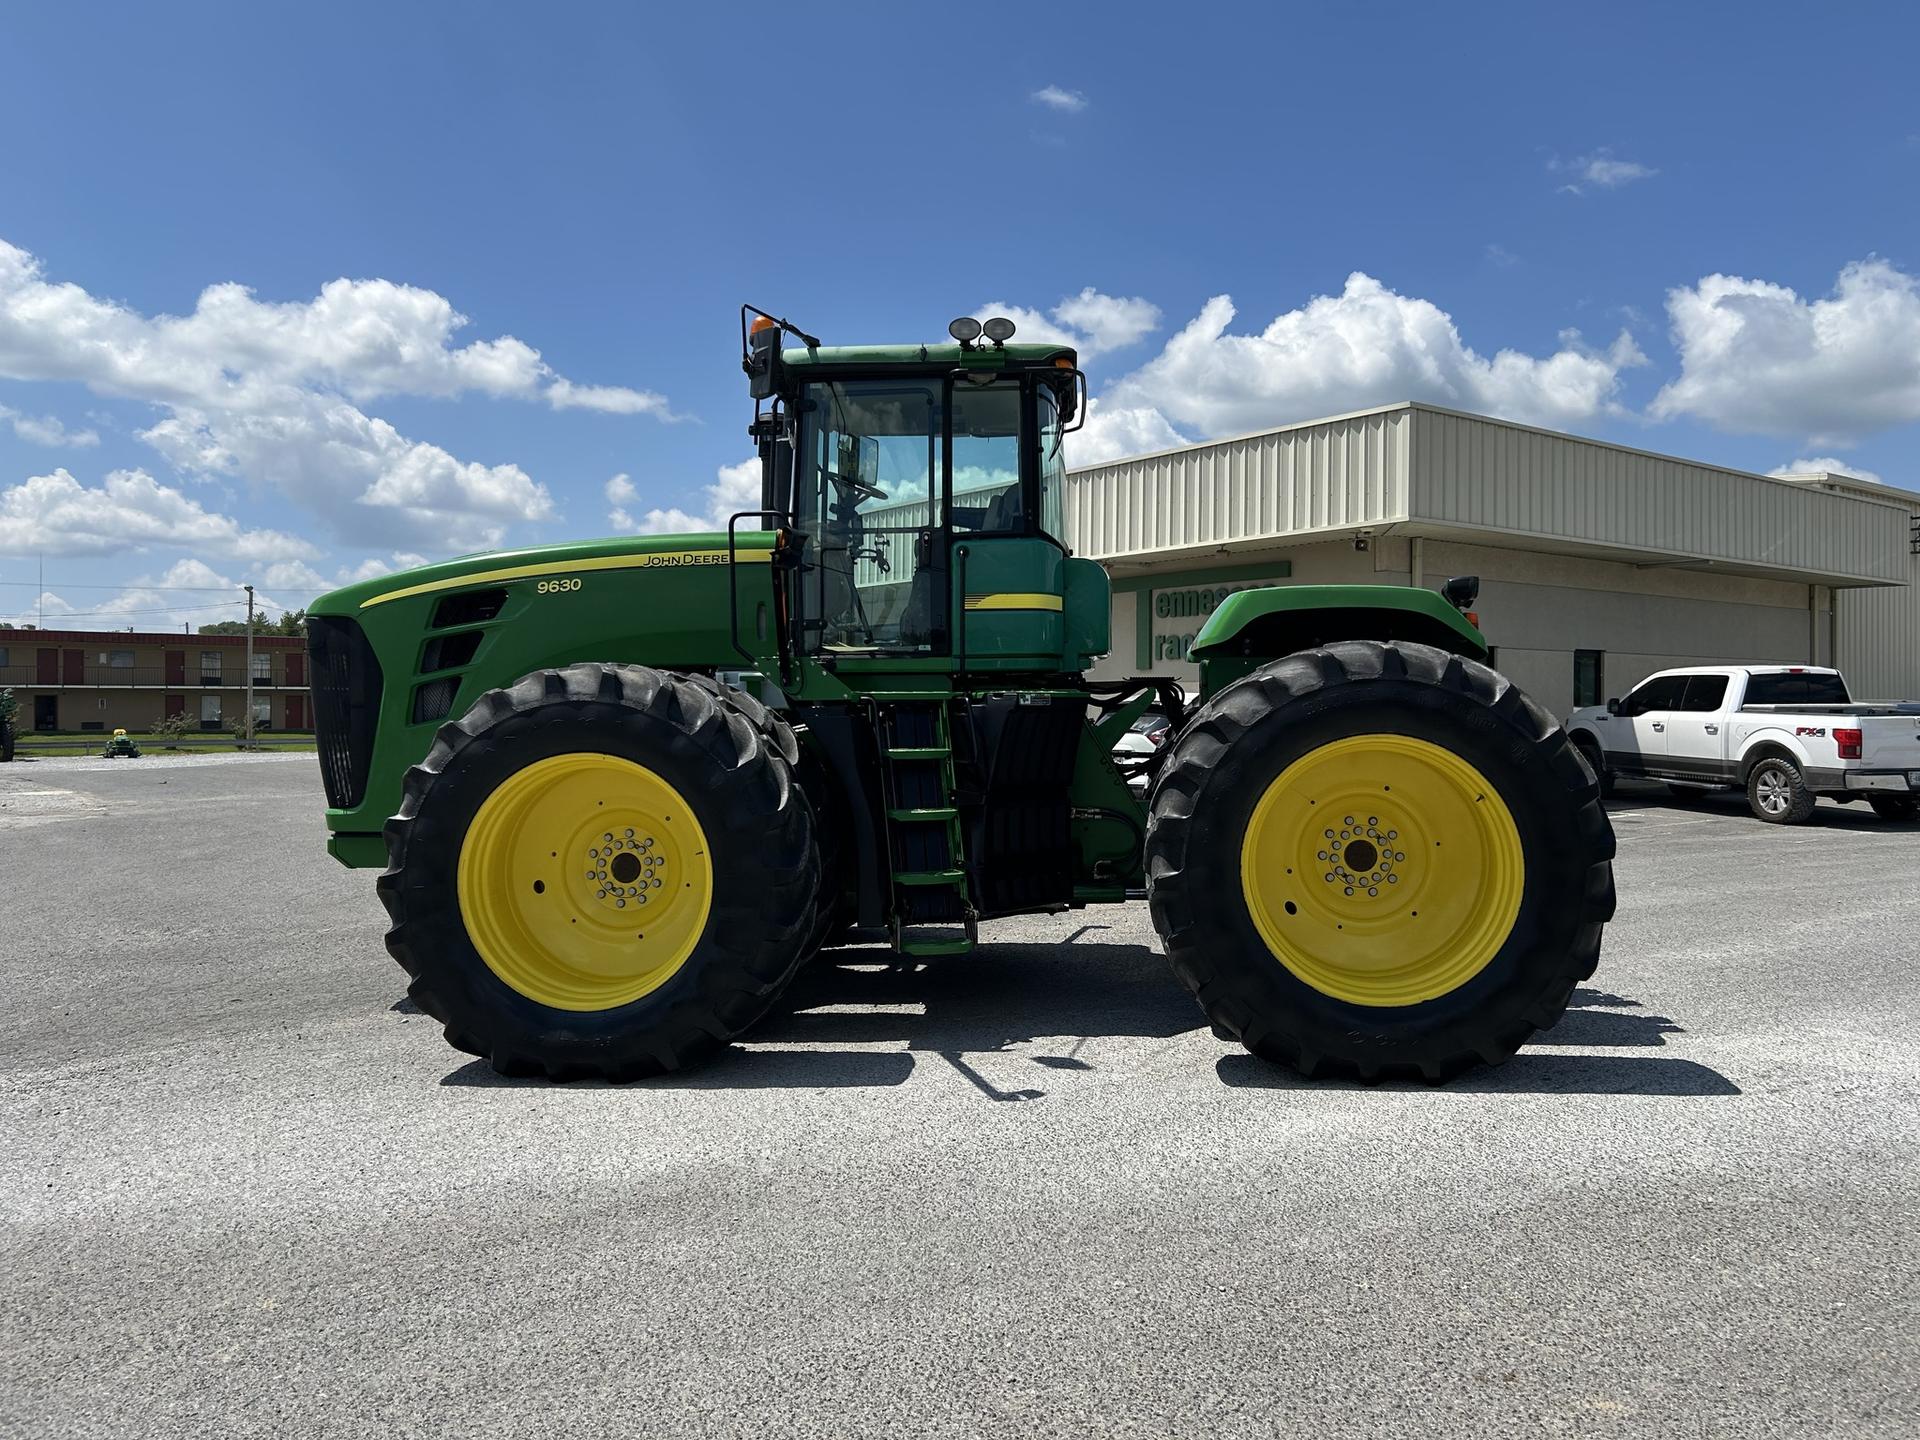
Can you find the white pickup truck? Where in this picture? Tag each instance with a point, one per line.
(1786, 734)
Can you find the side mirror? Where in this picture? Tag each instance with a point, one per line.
(1613, 706)
(1461, 591)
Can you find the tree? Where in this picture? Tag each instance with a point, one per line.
(9, 707)
(291, 622)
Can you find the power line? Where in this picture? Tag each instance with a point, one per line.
(177, 589)
(165, 610)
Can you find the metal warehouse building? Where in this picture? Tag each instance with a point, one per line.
(1598, 563)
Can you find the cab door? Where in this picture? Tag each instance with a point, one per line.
(1696, 739)
(1635, 737)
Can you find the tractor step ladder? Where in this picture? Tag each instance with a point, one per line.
(930, 912)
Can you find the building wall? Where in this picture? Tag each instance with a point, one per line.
(107, 680)
(138, 710)
(1323, 475)
(1535, 608)
(1879, 633)
(1495, 476)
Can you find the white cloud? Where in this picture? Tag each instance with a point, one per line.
(57, 515)
(1055, 97)
(1112, 432)
(272, 392)
(47, 430)
(187, 594)
(1091, 322)
(611, 399)
(1755, 356)
(300, 580)
(374, 485)
(1602, 170)
(1825, 465)
(1365, 346)
(1109, 322)
(735, 488)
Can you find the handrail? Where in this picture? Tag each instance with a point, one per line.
(733, 588)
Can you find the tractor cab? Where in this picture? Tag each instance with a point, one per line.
(922, 493)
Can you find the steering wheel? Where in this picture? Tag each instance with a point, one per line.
(857, 488)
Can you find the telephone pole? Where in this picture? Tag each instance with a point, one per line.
(249, 727)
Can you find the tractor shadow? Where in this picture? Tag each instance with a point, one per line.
(827, 1029)
(1003, 996)
(1594, 1018)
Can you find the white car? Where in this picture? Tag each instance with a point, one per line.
(1786, 734)
(1134, 749)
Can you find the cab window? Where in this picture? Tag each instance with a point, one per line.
(986, 460)
(1053, 464)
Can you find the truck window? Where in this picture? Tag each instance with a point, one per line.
(1703, 693)
(1789, 687)
(1660, 693)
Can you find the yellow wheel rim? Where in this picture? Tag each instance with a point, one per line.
(585, 881)
(1382, 870)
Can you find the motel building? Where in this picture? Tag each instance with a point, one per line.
(103, 680)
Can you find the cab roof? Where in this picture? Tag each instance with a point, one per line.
(949, 355)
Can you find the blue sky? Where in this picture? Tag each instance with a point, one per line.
(234, 241)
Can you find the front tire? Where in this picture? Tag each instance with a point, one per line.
(1299, 873)
(602, 872)
(1777, 792)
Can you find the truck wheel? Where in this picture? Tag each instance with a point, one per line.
(1777, 793)
(1378, 860)
(600, 872)
(1894, 807)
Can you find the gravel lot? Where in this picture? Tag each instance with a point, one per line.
(1025, 1193)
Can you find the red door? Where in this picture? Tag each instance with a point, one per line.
(76, 665)
(46, 667)
(176, 673)
(296, 667)
(296, 712)
(176, 704)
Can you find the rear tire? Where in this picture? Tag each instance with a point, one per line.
(1512, 924)
(1597, 763)
(548, 985)
(1777, 792)
(1894, 807)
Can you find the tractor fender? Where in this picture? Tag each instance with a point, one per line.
(1252, 627)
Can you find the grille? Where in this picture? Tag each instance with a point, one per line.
(434, 699)
(346, 706)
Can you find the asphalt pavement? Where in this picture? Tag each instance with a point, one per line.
(248, 1191)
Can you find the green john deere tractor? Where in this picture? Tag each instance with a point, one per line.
(623, 789)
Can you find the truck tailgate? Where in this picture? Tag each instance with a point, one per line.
(1889, 742)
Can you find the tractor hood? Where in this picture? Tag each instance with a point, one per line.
(397, 657)
(575, 558)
